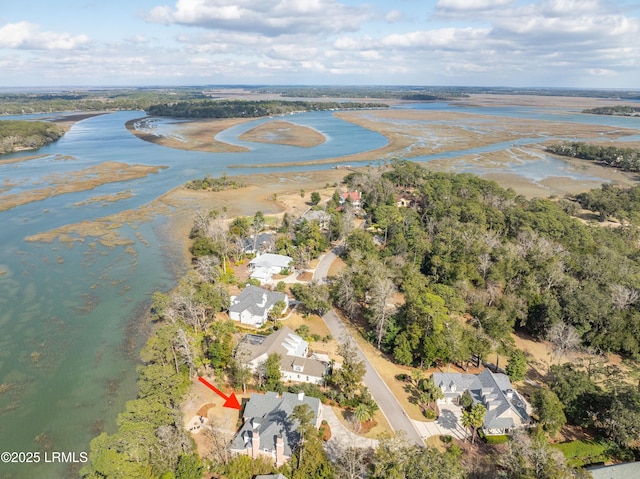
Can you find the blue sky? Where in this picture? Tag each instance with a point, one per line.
(532, 43)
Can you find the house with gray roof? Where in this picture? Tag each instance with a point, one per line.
(295, 363)
(506, 409)
(261, 243)
(626, 470)
(268, 429)
(253, 304)
(317, 216)
(265, 265)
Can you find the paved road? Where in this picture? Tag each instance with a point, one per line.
(389, 405)
(381, 393)
(322, 270)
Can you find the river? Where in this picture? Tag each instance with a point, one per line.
(71, 312)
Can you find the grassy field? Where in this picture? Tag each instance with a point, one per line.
(583, 452)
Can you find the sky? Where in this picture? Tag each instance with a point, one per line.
(519, 43)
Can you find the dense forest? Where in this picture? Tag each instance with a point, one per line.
(248, 109)
(92, 100)
(612, 201)
(18, 135)
(627, 159)
(476, 249)
(619, 110)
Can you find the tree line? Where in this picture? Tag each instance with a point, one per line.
(618, 110)
(18, 135)
(92, 100)
(248, 108)
(627, 159)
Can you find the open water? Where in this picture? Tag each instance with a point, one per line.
(71, 313)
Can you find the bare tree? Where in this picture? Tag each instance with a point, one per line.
(218, 437)
(484, 264)
(345, 292)
(563, 338)
(185, 350)
(622, 296)
(351, 462)
(208, 267)
(172, 441)
(382, 290)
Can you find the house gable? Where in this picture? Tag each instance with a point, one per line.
(295, 365)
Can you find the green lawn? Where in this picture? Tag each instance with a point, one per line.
(584, 452)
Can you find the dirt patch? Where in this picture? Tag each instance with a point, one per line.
(306, 276)
(282, 132)
(204, 410)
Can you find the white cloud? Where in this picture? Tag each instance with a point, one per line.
(27, 36)
(471, 5)
(267, 17)
(394, 16)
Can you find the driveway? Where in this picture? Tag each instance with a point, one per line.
(341, 437)
(447, 424)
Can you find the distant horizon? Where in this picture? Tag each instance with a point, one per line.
(582, 44)
(89, 87)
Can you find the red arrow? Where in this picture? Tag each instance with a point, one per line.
(230, 402)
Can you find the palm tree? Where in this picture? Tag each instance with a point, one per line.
(363, 412)
(473, 419)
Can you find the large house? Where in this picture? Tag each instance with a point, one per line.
(253, 304)
(265, 265)
(295, 363)
(506, 409)
(262, 243)
(268, 429)
(354, 197)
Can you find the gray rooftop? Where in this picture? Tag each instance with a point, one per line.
(256, 300)
(489, 389)
(269, 260)
(283, 342)
(269, 415)
(628, 470)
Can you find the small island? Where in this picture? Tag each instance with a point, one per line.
(618, 110)
(284, 133)
(19, 135)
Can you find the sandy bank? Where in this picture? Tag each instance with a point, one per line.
(196, 135)
(282, 132)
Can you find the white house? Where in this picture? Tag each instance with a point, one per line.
(506, 409)
(253, 304)
(265, 265)
(295, 363)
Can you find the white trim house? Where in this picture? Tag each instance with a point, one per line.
(253, 304)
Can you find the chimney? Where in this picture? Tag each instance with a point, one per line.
(301, 396)
(280, 451)
(255, 443)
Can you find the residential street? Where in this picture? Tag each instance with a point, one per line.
(389, 405)
(387, 402)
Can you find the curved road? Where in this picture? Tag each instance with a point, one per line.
(389, 405)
